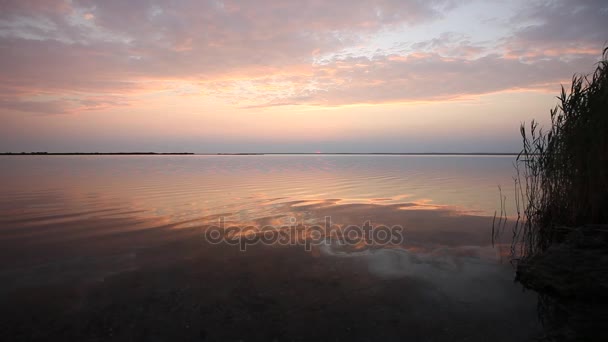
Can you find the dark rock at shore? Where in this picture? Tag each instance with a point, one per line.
(571, 278)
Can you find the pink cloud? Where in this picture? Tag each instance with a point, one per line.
(130, 47)
(63, 105)
(427, 76)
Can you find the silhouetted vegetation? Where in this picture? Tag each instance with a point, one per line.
(560, 238)
(563, 173)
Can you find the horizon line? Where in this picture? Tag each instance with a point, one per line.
(258, 153)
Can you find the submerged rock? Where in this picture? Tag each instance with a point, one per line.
(571, 278)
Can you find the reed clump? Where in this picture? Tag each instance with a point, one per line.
(562, 180)
(560, 238)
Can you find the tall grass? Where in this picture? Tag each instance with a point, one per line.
(562, 179)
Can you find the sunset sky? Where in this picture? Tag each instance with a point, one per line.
(286, 76)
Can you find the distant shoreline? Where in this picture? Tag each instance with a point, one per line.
(250, 154)
(91, 153)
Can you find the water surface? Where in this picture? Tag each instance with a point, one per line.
(119, 240)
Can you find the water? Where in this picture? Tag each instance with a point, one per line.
(91, 226)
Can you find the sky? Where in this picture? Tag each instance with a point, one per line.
(287, 76)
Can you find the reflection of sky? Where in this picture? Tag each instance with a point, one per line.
(81, 219)
(461, 272)
(442, 202)
(251, 186)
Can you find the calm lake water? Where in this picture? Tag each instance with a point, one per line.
(112, 247)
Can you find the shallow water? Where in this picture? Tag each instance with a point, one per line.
(83, 224)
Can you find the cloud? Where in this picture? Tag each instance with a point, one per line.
(86, 48)
(262, 53)
(62, 105)
(559, 29)
(9, 8)
(450, 44)
(38, 107)
(424, 76)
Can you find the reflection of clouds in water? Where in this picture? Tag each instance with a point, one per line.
(470, 274)
(196, 186)
(435, 249)
(402, 262)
